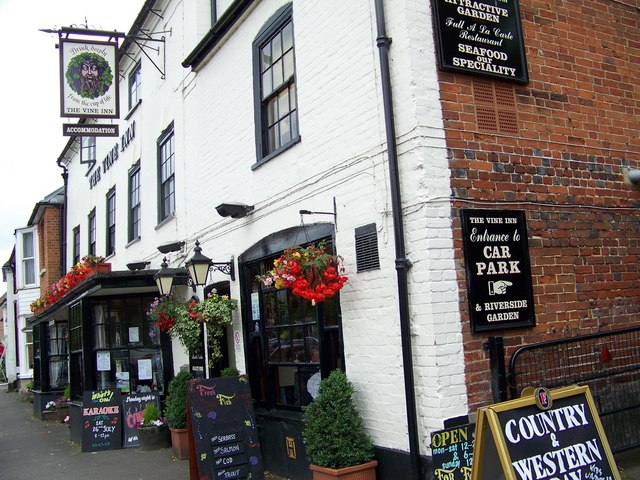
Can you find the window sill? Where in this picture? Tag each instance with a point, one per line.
(282, 149)
(133, 109)
(135, 240)
(165, 221)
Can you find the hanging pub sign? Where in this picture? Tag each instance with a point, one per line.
(545, 434)
(498, 272)
(89, 79)
(481, 37)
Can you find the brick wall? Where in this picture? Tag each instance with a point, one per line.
(50, 247)
(577, 124)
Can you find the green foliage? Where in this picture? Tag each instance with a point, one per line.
(229, 372)
(333, 434)
(67, 391)
(150, 414)
(176, 410)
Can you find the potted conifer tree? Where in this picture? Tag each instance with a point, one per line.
(335, 441)
(176, 412)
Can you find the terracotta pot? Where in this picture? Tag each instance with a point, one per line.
(366, 471)
(180, 442)
(153, 438)
(99, 268)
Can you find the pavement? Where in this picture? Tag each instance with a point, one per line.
(31, 448)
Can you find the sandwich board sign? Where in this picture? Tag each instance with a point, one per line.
(544, 435)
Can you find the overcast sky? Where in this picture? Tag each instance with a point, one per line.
(30, 123)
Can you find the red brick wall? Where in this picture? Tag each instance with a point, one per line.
(50, 247)
(578, 125)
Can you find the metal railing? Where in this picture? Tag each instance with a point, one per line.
(608, 362)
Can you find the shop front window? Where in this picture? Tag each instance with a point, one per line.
(57, 357)
(127, 346)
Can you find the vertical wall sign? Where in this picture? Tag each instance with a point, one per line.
(481, 37)
(89, 79)
(496, 254)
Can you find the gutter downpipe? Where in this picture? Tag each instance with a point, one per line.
(402, 263)
(63, 223)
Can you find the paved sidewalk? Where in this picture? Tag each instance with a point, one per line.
(31, 449)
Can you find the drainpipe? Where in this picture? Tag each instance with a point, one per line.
(63, 223)
(402, 263)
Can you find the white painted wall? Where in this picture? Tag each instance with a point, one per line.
(342, 154)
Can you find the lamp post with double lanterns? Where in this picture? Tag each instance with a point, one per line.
(197, 269)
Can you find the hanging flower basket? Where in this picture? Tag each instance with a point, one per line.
(309, 272)
(183, 320)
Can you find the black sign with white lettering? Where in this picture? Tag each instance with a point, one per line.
(452, 452)
(496, 254)
(223, 429)
(481, 37)
(521, 441)
(101, 420)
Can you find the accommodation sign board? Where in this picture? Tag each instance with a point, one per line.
(452, 452)
(481, 37)
(101, 420)
(498, 272)
(526, 439)
(223, 439)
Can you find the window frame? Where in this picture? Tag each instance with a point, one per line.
(110, 218)
(88, 152)
(274, 26)
(76, 245)
(91, 230)
(135, 201)
(166, 201)
(135, 84)
(28, 263)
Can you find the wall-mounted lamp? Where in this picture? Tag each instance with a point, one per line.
(198, 268)
(631, 176)
(171, 247)
(234, 210)
(133, 266)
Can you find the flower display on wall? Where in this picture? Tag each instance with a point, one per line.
(309, 272)
(78, 273)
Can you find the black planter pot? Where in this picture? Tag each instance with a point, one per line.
(153, 438)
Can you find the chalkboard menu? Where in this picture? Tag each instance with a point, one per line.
(496, 253)
(481, 37)
(452, 452)
(223, 429)
(132, 408)
(101, 420)
(560, 437)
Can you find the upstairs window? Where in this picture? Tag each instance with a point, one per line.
(28, 259)
(134, 203)
(92, 232)
(166, 175)
(88, 151)
(111, 222)
(275, 86)
(76, 244)
(135, 78)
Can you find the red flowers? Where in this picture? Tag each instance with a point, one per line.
(165, 323)
(309, 272)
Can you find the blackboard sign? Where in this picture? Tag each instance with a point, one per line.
(545, 435)
(452, 452)
(481, 37)
(496, 253)
(101, 420)
(132, 408)
(223, 429)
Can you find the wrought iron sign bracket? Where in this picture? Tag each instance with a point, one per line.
(224, 267)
